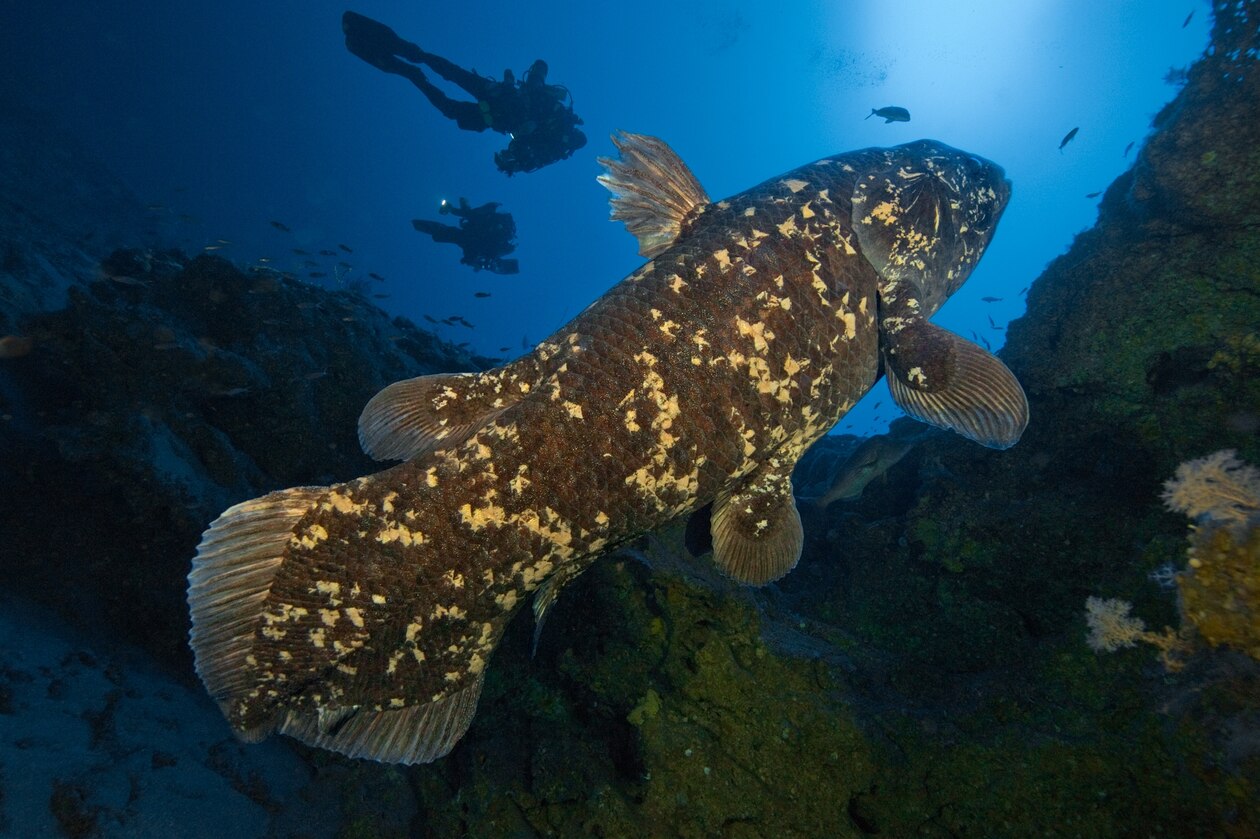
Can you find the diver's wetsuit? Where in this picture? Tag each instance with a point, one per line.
(484, 235)
(380, 46)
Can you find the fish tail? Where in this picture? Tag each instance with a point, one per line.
(237, 561)
(237, 564)
(871, 114)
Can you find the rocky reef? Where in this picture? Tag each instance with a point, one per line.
(925, 670)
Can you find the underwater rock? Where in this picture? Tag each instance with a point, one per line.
(148, 405)
(96, 742)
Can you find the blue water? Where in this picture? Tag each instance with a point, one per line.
(229, 115)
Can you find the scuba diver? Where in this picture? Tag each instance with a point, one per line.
(484, 234)
(537, 117)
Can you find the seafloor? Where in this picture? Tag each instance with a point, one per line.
(924, 672)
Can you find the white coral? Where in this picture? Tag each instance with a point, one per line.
(1110, 624)
(1219, 488)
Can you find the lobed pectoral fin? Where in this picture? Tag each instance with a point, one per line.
(942, 379)
(419, 415)
(757, 535)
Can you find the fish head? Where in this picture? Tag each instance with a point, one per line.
(924, 213)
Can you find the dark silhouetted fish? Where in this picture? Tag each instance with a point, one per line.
(345, 248)
(1127, 149)
(868, 462)
(361, 617)
(481, 294)
(890, 114)
(376, 276)
(1093, 194)
(283, 228)
(1186, 22)
(15, 346)
(430, 318)
(326, 252)
(1067, 138)
(990, 299)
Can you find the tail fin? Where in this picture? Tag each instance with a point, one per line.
(231, 576)
(871, 114)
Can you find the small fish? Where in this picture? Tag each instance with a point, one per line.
(15, 346)
(991, 323)
(376, 276)
(1186, 22)
(1127, 149)
(1067, 138)
(318, 274)
(155, 208)
(124, 280)
(869, 461)
(212, 247)
(327, 253)
(1023, 290)
(504, 349)
(281, 226)
(430, 319)
(224, 241)
(264, 259)
(985, 341)
(991, 299)
(892, 113)
(361, 617)
(1093, 194)
(345, 265)
(301, 252)
(481, 294)
(345, 248)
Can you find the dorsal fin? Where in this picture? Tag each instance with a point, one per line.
(653, 190)
(418, 415)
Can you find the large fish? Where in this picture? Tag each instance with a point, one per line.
(361, 617)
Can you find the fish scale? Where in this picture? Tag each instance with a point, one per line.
(361, 617)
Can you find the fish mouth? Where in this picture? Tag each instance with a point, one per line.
(1003, 186)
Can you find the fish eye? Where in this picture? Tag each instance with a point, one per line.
(982, 215)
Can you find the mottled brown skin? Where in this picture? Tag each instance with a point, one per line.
(726, 355)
